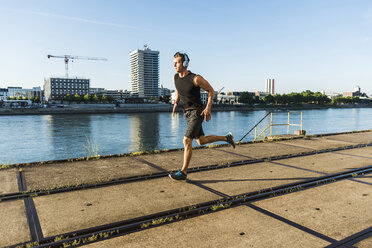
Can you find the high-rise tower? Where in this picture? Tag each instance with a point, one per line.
(270, 86)
(145, 72)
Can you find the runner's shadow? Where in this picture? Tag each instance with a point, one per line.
(250, 180)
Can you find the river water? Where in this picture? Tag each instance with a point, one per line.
(30, 138)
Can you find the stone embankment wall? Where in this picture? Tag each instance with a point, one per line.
(137, 108)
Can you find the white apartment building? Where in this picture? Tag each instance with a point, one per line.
(24, 93)
(145, 72)
(270, 86)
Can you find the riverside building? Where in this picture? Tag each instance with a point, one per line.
(24, 93)
(3, 94)
(270, 83)
(164, 91)
(55, 88)
(145, 72)
(116, 94)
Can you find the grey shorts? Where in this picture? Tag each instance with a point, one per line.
(194, 123)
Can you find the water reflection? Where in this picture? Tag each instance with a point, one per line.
(174, 127)
(144, 131)
(36, 138)
(69, 135)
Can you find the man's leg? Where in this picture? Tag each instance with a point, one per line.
(187, 143)
(202, 140)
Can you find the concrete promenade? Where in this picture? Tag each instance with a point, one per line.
(336, 213)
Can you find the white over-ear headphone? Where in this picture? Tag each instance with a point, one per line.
(186, 62)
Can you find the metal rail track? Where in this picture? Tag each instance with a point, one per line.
(112, 230)
(35, 193)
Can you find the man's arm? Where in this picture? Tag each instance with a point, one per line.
(176, 103)
(202, 83)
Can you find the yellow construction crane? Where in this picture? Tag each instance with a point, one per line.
(72, 57)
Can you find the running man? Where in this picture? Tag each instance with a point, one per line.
(188, 87)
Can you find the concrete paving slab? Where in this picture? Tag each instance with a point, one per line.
(266, 149)
(77, 210)
(315, 143)
(13, 224)
(326, 162)
(364, 152)
(248, 178)
(358, 138)
(8, 181)
(236, 227)
(93, 171)
(367, 179)
(367, 243)
(337, 210)
(200, 157)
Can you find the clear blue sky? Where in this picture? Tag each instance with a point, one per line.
(311, 44)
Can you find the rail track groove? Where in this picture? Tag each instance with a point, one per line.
(112, 230)
(68, 188)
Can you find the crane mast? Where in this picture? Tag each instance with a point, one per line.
(67, 58)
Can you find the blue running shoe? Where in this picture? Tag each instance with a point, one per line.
(179, 175)
(230, 139)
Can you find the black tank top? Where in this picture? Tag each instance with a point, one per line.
(188, 92)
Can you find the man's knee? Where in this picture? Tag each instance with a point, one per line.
(187, 141)
(200, 140)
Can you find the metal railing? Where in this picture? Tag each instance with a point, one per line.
(271, 125)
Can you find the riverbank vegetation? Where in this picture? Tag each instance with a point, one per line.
(32, 99)
(93, 98)
(305, 97)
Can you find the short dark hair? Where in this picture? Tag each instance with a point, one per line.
(182, 56)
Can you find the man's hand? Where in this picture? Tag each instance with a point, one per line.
(207, 114)
(202, 83)
(174, 108)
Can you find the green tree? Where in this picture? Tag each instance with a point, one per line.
(77, 98)
(104, 98)
(86, 98)
(277, 98)
(307, 96)
(245, 97)
(110, 99)
(68, 98)
(345, 100)
(95, 98)
(297, 98)
(269, 99)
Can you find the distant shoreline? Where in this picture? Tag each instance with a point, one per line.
(150, 108)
